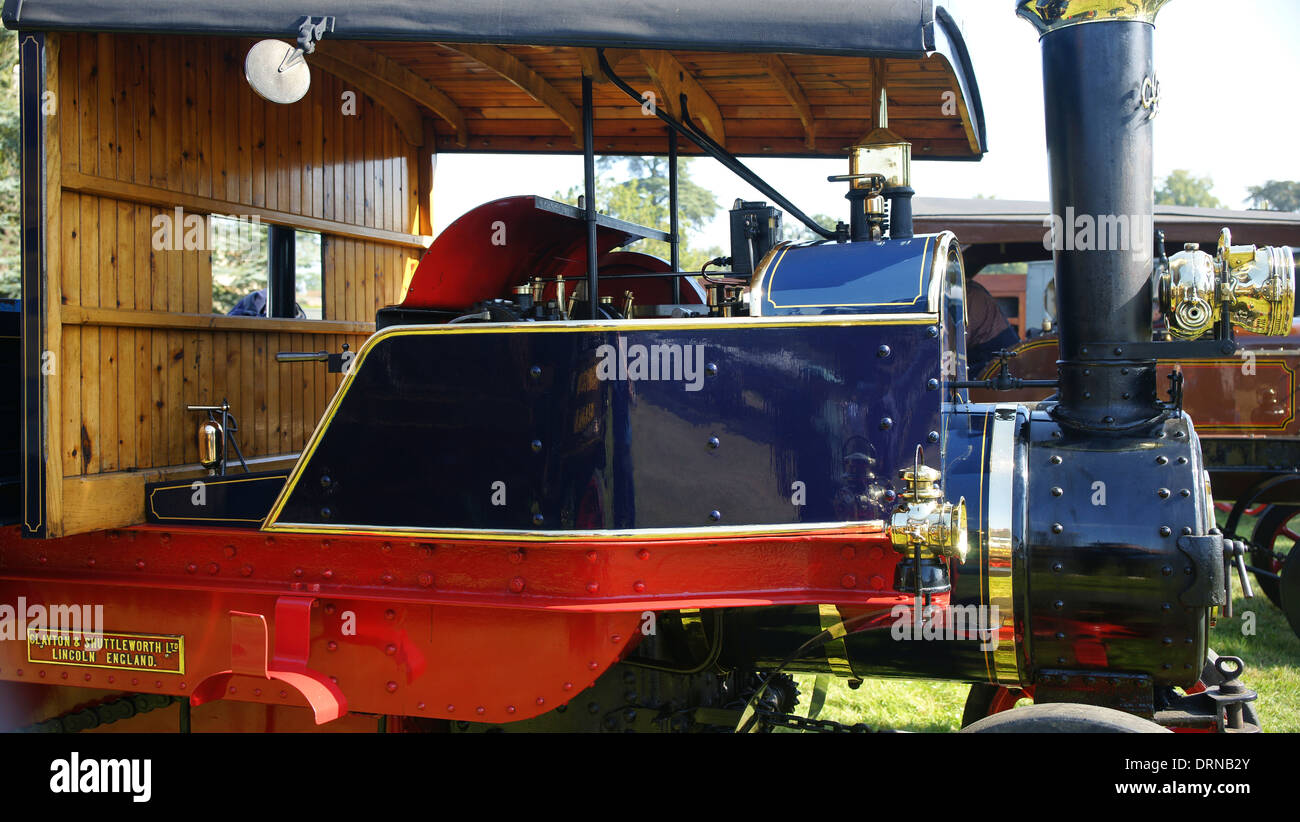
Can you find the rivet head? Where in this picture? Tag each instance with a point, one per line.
(425, 579)
(517, 584)
(536, 445)
(1166, 571)
(213, 567)
(331, 645)
(644, 553)
(390, 615)
(932, 331)
(1058, 605)
(1056, 459)
(932, 384)
(886, 423)
(593, 587)
(1163, 493)
(1057, 528)
(1057, 567)
(1162, 460)
(535, 372)
(849, 581)
(715, 515)
(638, 586)
(1057, 491)
(390, 649)
(325, 512)
(1165, 530)
(538, 519)
(933, 436)
(391, 687)
(1185, 492)
(714, 442)
(139, 565)
(480, 710)
(882, 351)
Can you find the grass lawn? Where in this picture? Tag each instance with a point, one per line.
(1271, 654)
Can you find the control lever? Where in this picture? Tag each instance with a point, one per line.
(1234, 554)
(334, 363)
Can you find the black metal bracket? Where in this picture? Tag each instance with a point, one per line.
(1132, 693)
(311, 32)
(1165, 350)
(1208, 585)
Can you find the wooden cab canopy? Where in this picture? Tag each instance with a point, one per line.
(137, 114)
(763, 78)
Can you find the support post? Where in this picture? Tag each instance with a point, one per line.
(673, 226)
(589, 183)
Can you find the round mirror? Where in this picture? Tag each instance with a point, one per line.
(277, 71)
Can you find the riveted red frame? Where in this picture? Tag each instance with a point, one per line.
(486, 630)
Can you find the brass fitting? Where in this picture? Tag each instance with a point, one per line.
(1253, 287)
(1050, 15)
(924, 518)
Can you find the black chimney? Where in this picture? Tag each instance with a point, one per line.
(1101, 94)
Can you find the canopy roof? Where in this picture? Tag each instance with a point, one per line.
(1003, 231)
(763, 78)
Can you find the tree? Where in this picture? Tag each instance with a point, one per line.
(1275, 195)
(1182, 189)
(10, 221)
(642, 198)
(797, 232)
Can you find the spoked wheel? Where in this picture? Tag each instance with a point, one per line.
(985, 700)
(1275, 533)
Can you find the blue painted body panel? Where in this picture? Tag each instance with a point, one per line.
(884, 277)
(434, 417)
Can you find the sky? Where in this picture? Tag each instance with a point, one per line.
(1229, 109)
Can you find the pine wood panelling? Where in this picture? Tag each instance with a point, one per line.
(146, 125)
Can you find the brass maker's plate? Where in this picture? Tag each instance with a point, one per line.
(159, 653)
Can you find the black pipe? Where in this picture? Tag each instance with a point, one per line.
(589, 184)
(1100, 159)
(675, 258)
(717, 152)
(900, 212)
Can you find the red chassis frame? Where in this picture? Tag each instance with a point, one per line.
(482, 630)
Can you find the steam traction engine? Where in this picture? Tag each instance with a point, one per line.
(540, 507)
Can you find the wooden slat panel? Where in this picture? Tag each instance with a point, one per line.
(194, 204)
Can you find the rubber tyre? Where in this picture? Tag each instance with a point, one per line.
(1063, 718)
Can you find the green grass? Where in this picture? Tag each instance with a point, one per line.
(1271, 654)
